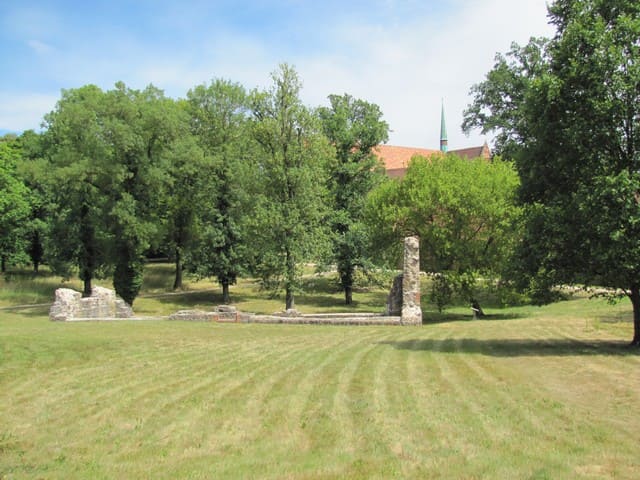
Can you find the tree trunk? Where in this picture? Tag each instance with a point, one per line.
(289, 302)
(36, 266)
(289, 279)
(177, 283)
(226, 299)
(346, 281)
(3, 264)
(87, 286)
(635, 301)
(348, 295)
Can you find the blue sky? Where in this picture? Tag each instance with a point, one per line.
(406, 56)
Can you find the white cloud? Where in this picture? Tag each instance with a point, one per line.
(39, 47)
(406, 68)
(24, 111)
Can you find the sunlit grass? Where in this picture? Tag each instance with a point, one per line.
(534, 393)
(530, 392)
(157, 298)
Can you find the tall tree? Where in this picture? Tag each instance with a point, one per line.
(219, 120)
(462, 210)
(355, 128)
(578, 149)
(109, 153)
(190, 184)
(141, 127)
(80, 158)
(290, 207)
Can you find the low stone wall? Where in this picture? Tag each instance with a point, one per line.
(226, 314)
(103, 303)
(222, 313)
(326, 319)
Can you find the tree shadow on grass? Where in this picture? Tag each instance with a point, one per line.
(444, 317)
(516, 347)
(199, 297)
(337, 303)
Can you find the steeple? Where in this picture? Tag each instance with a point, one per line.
(443, 131)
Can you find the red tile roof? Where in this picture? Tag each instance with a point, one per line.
(474, 152)
(396, 159)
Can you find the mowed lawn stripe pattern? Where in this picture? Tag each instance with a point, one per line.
(523, 398)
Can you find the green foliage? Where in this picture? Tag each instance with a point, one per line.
(441, 293)
(33, 168)
(499, 103)
(354, 127)
(14, 203)
(142, 126)
(289, 219)
(190, 182)
(219, 115)
(80, 162)
(577, 146)
(128, 273)
(109, 154)
(463, 211)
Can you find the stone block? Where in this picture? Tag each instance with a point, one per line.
(194, 316)
(103, 303)
(411, 310)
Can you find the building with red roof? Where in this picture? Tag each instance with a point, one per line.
(396, 158)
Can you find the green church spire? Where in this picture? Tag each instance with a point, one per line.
(443, 131)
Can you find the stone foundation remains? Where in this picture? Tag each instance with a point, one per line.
(403, 304)
(103, 303)
(222, 313)
(411, 310)
(227, 314)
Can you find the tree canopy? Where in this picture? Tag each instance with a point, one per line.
(354, 127)
(463, 211)
(290, 205)
(219, 119)
(573, 121)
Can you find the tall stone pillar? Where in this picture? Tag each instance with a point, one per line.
(411, 310)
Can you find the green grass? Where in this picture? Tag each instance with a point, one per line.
(320, 293)
(530, 392)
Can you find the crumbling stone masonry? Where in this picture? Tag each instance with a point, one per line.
(404, 297)
(103, 303)
(411, 310)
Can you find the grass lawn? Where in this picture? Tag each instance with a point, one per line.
(532, 393)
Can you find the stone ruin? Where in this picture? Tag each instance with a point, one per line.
(103, 303)
(404, 298)
(222, 313)
(403, 304)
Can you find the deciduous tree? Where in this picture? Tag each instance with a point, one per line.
(462, 210)
(220, 116)
(141, 127)
(578, 148)
(290, 216)
(80, 159)
(355, 128)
